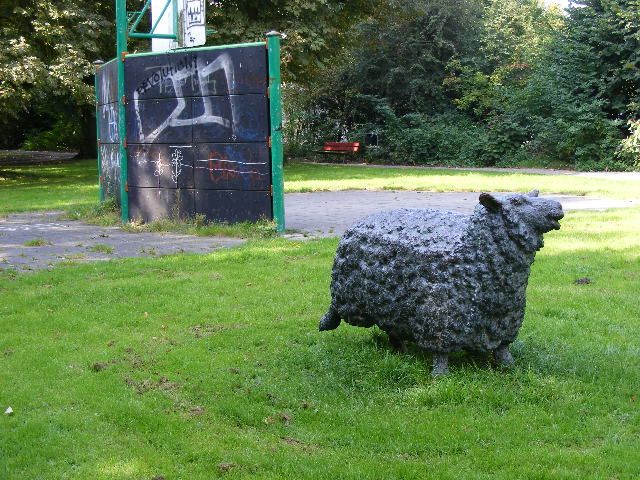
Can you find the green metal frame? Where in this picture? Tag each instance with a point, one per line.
(275, 113)
(138, 18)
(201, 49)
(121, 49)
(95, 84)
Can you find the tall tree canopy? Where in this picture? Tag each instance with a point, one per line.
(486, 82)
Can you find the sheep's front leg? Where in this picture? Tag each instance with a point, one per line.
(440, 364)
(503, 356)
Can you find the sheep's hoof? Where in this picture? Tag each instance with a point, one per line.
(503, 356)
(440, 364)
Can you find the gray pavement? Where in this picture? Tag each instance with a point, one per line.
(331, 213)
(71, 241)
(317, 214)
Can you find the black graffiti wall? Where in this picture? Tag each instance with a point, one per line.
(197, 132)
(108, 132)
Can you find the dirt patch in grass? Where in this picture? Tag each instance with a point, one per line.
(143, 386)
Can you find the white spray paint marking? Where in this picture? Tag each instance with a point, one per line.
(224, 63)
(176, 165)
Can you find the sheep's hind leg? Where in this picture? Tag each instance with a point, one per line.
(503, 356)
(440, 364)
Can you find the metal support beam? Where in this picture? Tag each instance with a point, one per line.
(275, 111)
(121, 49)
(97, 64)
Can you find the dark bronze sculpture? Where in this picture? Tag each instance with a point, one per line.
(446, 281)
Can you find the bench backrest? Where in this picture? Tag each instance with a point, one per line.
(341, 147)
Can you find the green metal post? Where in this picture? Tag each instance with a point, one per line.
(98, 64)
(176, 28)
(275, 111)
(121, 49)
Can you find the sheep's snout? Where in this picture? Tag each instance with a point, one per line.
(553, 216)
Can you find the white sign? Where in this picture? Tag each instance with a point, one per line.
(194, 23)
(165, 25)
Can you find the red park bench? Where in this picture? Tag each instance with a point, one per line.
(341, 148)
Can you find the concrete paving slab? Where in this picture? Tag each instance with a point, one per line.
(63, 240)
(331, 213)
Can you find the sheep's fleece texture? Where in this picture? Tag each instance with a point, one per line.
(446, 281)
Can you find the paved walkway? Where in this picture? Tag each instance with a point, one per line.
(64, 240)
(309, 214)
(331, 213)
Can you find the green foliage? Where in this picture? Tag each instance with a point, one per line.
(45, 67)
(314, 29)
(629, 151)
(448, 139)
(491, 83)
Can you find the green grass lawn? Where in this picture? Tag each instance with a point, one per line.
(48, 187)
(73, 186)
(199, 367)
(304, 177)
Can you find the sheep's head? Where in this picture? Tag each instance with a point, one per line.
(527, 217)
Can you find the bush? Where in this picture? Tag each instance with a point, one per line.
(629, 150)
(65, 135)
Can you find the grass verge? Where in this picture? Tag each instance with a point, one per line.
(210, 366)
(305, 177)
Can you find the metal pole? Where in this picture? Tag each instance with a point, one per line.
(275, 112)
(98, 64)
(121, 49)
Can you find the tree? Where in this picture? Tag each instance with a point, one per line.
(45, 66)
(315, 30)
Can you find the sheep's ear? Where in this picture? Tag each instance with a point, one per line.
(490, 202)
(533, 193)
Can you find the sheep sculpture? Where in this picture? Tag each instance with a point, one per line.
(448, 282)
